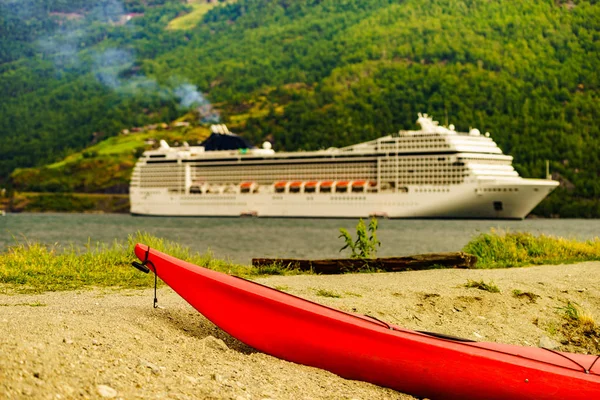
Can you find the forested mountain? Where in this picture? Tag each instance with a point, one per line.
(309, 74)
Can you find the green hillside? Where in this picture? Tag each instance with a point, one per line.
(105, 167)
(309, 74)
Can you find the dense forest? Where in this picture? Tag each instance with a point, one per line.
(309, 74)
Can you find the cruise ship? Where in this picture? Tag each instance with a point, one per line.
(435, 172)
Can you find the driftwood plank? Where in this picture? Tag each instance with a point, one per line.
(390, 264)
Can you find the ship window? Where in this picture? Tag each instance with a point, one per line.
(498, 205)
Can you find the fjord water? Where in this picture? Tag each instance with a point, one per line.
(241, 239)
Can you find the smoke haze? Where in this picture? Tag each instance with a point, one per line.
(113, 66)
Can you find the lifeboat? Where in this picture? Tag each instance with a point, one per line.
(248, 187)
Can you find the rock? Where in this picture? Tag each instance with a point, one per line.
(212, 342)
(68, 340)
(106, 391)
(147, 364)
(27, 391)
(547, 343)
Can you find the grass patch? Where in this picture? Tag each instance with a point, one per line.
(282, 288)
(276, 269)
(506, 249)
(481, 285)
(328, 293)
(34, 267)
(580, 328)
(193, 18)
(525, 295)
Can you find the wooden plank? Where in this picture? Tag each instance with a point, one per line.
(389, 264)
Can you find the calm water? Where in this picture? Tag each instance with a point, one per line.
(240, 239)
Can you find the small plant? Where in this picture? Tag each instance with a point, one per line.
(282, 288)
(577, 316)
(521, 294)
(481, 285)
(579, 328)
(328, 293)
(366, 243)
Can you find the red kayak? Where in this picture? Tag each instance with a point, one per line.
(363, 348)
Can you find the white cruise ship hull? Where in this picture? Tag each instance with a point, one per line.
(485, 199)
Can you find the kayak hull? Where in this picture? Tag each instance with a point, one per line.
(362, 348)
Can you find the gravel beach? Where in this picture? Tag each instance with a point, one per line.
(111, 343)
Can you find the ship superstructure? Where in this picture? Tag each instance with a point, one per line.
(435, 172)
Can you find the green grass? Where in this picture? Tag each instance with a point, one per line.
(193, 18)
(34, 267)
(481, 285)
(507, 249)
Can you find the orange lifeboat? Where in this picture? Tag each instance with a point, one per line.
(294, 187)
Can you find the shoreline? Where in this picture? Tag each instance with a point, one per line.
(112, 343)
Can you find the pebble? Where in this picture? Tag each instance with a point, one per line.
(216, 344)
(27, 391)
(106, 391)
(153, 367)
(547, 343)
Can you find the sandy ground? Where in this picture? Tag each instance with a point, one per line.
(113, 344)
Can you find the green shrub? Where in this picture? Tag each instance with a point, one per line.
(366, 243)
